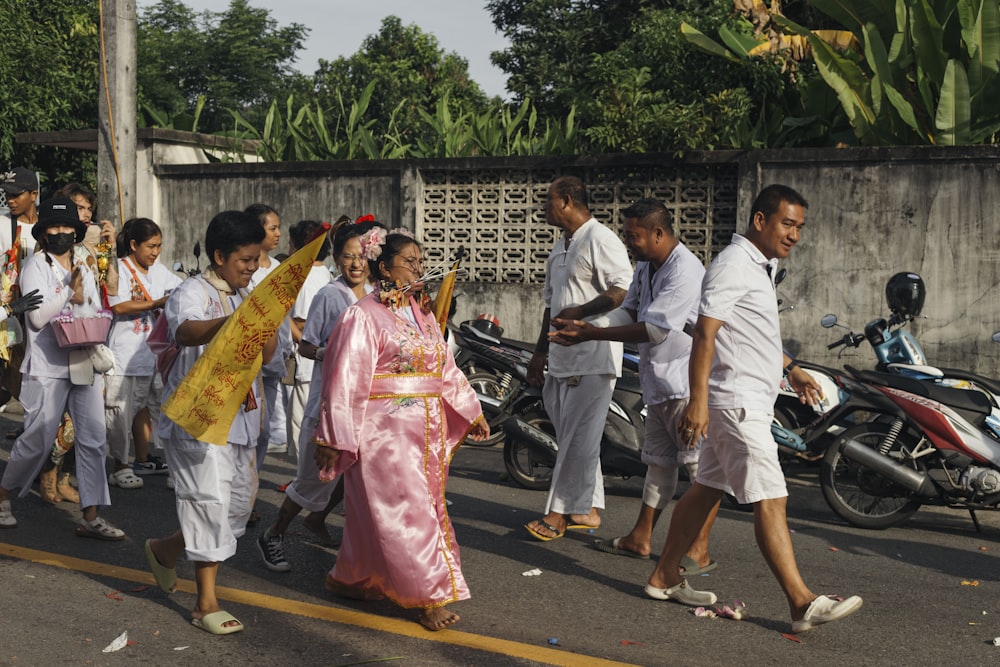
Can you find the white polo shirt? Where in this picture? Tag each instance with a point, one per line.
(327, 306)
(195, 299)
(738, 290)
(593, 261)
(667, 299)
(317, 278)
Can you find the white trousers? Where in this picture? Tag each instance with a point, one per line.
(307, 490)
(276, 424)
(124, 397)
(296, 413)
(578, 412)
(215, 488)
(45, 400)
(276, 429)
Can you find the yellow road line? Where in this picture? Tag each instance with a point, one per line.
(343, 616)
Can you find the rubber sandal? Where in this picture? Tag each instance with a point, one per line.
(692, 569)
(99, 529)
(613, 548)
(125, 479)
(544, 538)
(166, 577)
(581, 526)
(213, 623)
(7, 519)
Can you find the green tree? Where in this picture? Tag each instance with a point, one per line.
(912, 72)
(48, 78)
(411, 73)
(635, 85)
(238, 59)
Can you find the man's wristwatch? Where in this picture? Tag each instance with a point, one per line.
(791, 364)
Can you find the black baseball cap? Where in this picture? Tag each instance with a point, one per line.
(18, 180)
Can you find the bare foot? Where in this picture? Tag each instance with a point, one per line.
(352, 592)
(592, 520)
(437, 618)
(317, 526)
(169, 563)
(628, 544)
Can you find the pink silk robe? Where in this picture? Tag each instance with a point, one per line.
(396, 407)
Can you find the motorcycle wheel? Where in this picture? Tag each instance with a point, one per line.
(486, 383)
(860, 496)
(527, 467)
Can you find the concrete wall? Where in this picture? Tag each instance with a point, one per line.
(191, 194)
(873, 212)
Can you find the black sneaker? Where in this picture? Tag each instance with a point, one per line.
(273, 552)
(153, 465)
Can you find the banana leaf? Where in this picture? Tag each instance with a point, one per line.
(706, 43)
(953, 117)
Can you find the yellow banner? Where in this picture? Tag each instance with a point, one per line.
(213, 391)
(442, 301)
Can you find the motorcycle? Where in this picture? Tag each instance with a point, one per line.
(178, 266)
(941, 447)
(898, 351)
(497, 369)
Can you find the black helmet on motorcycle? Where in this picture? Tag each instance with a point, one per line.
(905, 294)
(488, 324)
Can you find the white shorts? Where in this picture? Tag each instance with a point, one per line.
(662, 445)
(215, 489)
(124, 396)
(739, 456)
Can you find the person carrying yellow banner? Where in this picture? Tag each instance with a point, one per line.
(210, 423)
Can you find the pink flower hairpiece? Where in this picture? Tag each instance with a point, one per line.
(365, 218)
(372, 242)
(402, 230)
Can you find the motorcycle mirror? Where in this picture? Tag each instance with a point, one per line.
(996, 337)
(780, 276)
(828, 321)
(197, 249)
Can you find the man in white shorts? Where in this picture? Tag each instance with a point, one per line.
(736, 366)
(658, 314)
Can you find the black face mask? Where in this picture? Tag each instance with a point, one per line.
(59, 244)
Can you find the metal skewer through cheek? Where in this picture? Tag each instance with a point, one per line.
(436, 273)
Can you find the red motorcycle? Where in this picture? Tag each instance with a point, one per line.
(940, 447)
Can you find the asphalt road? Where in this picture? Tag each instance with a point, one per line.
(930, 588)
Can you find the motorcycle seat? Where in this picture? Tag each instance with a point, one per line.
(519, 345)
(989, 383)
(810, 366)
(974, 405)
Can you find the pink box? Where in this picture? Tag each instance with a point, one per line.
(73, 332)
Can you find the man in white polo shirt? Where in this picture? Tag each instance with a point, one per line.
(658, 314)
(736, 366)
(587, 274)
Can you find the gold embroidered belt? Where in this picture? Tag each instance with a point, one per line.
(405, 385)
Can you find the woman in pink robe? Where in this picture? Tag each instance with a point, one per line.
(395, 408)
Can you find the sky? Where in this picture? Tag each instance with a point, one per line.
(337, 28)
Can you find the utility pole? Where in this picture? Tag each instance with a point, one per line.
(116, 134)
